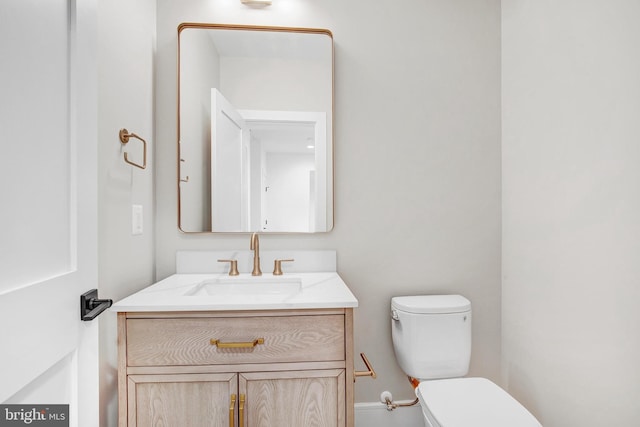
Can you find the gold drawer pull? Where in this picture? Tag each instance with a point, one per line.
(247, 344)
(232, 408)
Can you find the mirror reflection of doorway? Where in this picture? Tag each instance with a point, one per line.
(287, 187)
(267, 169)
(288, 170)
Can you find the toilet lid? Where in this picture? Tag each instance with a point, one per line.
(431, 304)
(477, 402)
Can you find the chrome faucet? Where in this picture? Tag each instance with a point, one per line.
(255, 247)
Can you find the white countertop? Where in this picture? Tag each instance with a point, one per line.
(317, 290)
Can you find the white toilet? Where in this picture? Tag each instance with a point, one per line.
(432, 341)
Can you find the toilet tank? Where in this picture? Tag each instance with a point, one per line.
(432, 335)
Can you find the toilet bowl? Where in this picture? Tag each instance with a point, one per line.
(432, 342)
(466, 402)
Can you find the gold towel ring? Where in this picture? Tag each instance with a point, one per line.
(124, 138)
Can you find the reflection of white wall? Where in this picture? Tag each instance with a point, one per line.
(199, 72)
(287, 207)
(276, 84)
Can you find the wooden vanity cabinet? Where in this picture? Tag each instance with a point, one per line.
(285, 368)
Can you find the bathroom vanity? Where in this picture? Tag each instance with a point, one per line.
(210, 349)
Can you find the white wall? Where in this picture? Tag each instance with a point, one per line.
(571, 197)
(126, 37)
(417, 149)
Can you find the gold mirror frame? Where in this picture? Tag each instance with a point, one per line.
(184, 179)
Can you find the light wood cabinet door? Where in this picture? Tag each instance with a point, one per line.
(182, 400)
(312, 398)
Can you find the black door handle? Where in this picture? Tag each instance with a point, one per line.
(91, 306)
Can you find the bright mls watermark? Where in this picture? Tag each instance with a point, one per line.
(34, 415)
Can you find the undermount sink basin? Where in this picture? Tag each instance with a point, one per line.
(246, 285)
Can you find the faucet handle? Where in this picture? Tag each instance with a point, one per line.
(233, 266)
(277, 266)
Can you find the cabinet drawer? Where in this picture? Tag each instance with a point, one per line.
(188, 341)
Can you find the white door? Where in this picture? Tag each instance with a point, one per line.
(229, 167)
(48, 183)
(287, 196)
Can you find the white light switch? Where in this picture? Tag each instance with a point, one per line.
(136, 219)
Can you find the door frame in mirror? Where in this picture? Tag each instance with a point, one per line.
(330, 212)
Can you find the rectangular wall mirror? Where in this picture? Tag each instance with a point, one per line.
(255, 129)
